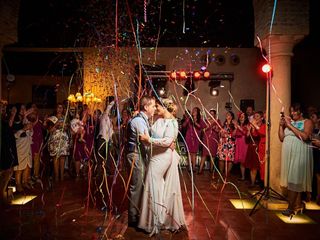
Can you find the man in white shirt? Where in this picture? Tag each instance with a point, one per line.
(250, 112)
(105, 134)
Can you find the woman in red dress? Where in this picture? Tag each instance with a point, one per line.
(210, 139)
(256, 136)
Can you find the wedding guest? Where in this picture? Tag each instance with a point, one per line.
(226, 147)
(241, 144)
(210, 139)
(194, 126)
(296, 157)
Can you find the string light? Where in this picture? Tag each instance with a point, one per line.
(87, 98)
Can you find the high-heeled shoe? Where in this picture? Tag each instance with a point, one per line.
(289, 213)
(300, 209)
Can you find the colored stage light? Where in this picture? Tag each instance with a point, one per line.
(196, 74)
(203, 68)
(266, 68)
(173, 75)
(183, 74)
(206, 74)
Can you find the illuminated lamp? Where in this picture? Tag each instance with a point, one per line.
(196, 74)
(161, 92)
(22, 199)
(206, 74)
(183, 74)
(214, 92)
(173, 75)
(266, 68)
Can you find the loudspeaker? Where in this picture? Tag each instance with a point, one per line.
(244, 103)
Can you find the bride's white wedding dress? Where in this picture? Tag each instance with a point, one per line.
(161, 204)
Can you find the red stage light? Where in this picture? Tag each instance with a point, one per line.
(196, 75)
(206, 74)
(173, 75)
(183, 74)
(266, 68)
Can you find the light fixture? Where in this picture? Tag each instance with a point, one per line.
(87, 98)
(266, 68)
(162, 92)
(196, 75)
(183, 74)
(242, 203)
(296, 219)
(203, 68)
(22, 199)
(206, 74)
(214, 92)
(173, 75)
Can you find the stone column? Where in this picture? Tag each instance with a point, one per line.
(280, 47)
(1, 83)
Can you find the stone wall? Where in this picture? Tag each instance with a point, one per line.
(292, 17)
(9, 11)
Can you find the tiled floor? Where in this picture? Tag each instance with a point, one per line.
(71, 211)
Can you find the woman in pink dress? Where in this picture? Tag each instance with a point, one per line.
(210, 139)
(194, 127)
(241, 145)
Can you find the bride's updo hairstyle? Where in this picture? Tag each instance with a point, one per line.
(169, 105)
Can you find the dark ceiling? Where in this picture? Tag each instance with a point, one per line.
(83, 23)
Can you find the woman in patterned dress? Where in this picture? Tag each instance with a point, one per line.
(59, 143)
(226, 147)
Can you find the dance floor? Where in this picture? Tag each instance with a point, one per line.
(71, 210)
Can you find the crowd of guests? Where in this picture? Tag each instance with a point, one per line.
(35, 147)
(241, 142)
(238, 140)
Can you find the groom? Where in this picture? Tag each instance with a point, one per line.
(138, 156)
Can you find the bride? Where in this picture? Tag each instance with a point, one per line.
(161, 204)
